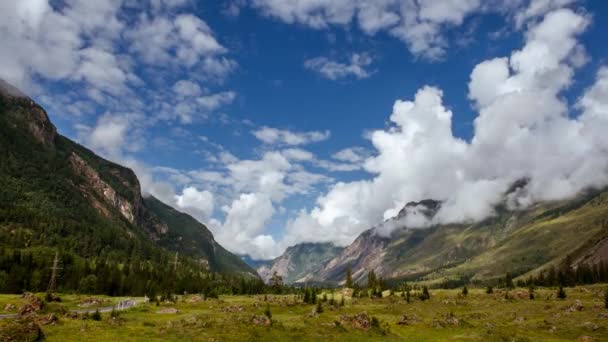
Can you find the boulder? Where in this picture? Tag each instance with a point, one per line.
(167, 311)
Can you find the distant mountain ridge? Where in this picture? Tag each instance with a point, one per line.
(49, 180)
(297, 262)
(522, 242)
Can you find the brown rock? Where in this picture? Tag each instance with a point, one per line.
(233, 308)
(359, 321)
(33, 305)
(261, 320)
(576, 306)
(167, 311)
(10, 307)
(408, 320)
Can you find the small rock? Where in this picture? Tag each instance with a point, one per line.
(408, 320)
(585, 338)
(261, 320)
(576, 306)
(233, 308)
(359, 321)
(167, 311)
(10, 307)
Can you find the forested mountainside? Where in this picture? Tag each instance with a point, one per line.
(58, 196)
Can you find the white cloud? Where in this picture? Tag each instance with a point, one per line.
(352, 155)
(523, 130)
(198, 203)
(241, 231)
(333, 70)
(270, 135)
(419, 24)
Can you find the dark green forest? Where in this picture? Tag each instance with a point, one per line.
(43, 210)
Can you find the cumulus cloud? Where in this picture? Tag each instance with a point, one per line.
(272, 136)
(198, 203)
(524, 130)
(333, 70)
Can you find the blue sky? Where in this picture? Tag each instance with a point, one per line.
(236, 111)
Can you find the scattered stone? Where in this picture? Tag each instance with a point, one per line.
(408, 320)
(360, 321)
(21, 330)
(50, 319)
(33, 305)
(577, 306)
(72, 315)
(92, 301)
(585, 338)
(195, 299)
(604, 315)
(450, 319)
(552, 329)
(10, 307)
(261, 320)
(313, 313)
(519, 319)
(167, 311)
(233, 309)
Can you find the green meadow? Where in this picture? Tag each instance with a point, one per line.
(447, 316)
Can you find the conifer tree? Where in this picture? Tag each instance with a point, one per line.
(348, 282)
(319, 308)
(531, 292)
(425, 293)
(465, 291)
(342, 301)
(561, 294)
(489, 290)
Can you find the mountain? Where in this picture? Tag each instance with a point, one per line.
(299, 261)
(57, 195)
(522, 242)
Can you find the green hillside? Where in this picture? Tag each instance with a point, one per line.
(56, 195)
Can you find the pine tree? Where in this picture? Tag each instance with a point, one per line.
(342, 301)
(348, 282)
(465, 291)
(509, 281)
(267, 312)
(489, 290)
(425, 294)
(314, 296)
(408, 296)
(307, 296)
(324, 297)
(319, 308)
(561, 294)
(531, 292)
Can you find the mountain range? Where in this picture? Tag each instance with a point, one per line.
(522, 242)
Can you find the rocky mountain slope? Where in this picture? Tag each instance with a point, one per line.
(56, 193)
(522, 242)
(299, 261)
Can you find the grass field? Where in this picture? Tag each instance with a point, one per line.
(446, 316)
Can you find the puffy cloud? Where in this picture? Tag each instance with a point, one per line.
(241, 231)
(270, 135)
(333, 70)
(523, 131)
(199, 203)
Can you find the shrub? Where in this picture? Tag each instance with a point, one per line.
(531, 292)
(342, 301)
(96, 316)
(425, 295)
(606, 298)
(561, 294)
(319, 308)
(489, 290)
(267, 312)
(465, 291)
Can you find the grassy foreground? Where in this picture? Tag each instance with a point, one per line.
(448, 315)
